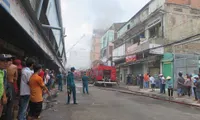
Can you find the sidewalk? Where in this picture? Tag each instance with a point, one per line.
(156, 95)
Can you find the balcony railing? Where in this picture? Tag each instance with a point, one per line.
(147, 44)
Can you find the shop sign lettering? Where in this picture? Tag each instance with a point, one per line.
(131, 58)
(158, 51)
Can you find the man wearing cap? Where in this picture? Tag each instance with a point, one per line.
(3, 80)
(71, 86)
(12, 75)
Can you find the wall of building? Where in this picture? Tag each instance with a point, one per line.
(106, 38)
(97, 49)
(120, 51)
(181, 22)
(155, 4)
(109, 49)
(142, 15)
(96, 45)
(95, 52)
(192, 3)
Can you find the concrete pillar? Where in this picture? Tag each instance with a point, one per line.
(129, 69)
(147, 34)
(161, 67)
(121, 74)
(145, 67)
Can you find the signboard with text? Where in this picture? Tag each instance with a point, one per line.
(158, 51)
(131, 58)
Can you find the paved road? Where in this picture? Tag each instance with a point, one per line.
(111, 105)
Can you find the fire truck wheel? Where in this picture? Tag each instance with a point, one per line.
(95, 83)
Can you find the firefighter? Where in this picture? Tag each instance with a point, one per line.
(85, 83)
(71, 86)
(60, 81)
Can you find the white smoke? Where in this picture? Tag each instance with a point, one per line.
(105, 12)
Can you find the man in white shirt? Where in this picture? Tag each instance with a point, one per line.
(24, 88)
(153, 83)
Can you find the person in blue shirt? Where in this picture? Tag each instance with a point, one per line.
(170, 86)
(195, 79)
(85, 83)
(60, 81)
(71, 86)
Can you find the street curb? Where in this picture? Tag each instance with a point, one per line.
(153, 96)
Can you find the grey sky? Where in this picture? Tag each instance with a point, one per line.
(80, 17)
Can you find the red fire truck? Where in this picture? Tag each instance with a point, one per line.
(103, 75)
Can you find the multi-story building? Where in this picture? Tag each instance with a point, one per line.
(96, 45)
(145, 43)
(33, 28)
(106, 43)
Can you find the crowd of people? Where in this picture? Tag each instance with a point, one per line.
(186, 85)
(22, 86)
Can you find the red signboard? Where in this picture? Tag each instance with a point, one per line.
(131, 58)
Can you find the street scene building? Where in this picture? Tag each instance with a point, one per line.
(96, 46)
(125, 59)
(106, 43)
(144, 43)
(33, 28)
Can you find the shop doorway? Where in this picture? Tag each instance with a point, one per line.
(186, 63)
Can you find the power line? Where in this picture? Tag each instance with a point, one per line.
(166, 45)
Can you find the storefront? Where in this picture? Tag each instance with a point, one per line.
(118, 72)
(187, 63)
(123, 73)
(136, 69)
(119, 64)
(154, 67)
